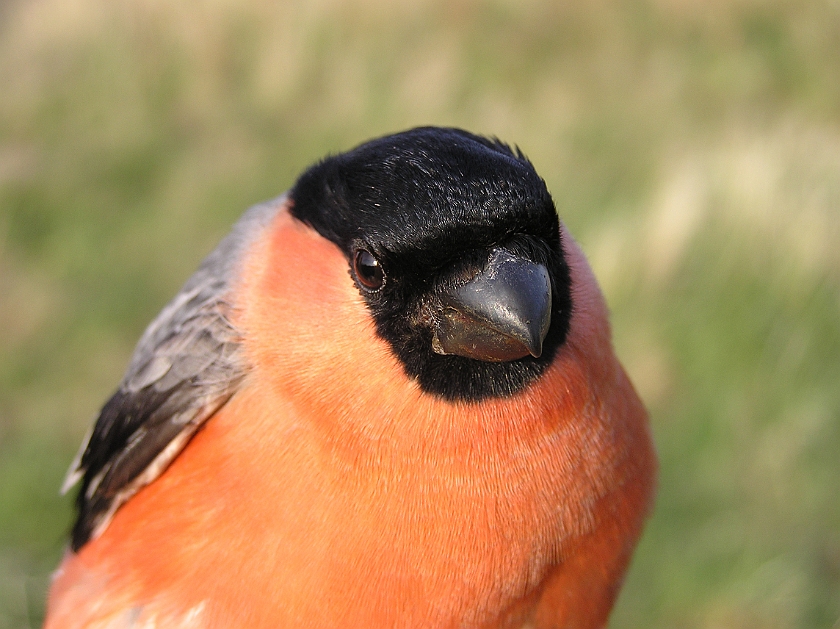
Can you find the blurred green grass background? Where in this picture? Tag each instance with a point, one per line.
(692, 147)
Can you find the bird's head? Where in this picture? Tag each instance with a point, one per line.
(454, 244)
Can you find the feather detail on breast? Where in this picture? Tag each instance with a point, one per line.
(337, 488)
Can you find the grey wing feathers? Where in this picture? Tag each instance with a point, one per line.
(187, 364)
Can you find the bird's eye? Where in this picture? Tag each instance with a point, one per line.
(368, 270)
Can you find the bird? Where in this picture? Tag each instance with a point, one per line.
(388, 398)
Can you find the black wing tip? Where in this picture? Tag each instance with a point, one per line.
(81, 533)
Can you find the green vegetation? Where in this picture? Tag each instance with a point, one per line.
(692, 148)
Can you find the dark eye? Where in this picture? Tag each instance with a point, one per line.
(368, 270)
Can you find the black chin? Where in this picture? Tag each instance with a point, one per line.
(457, 378)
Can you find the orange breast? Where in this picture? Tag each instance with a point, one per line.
(330, 492)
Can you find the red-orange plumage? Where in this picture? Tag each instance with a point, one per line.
(331, 491)
(361, 502)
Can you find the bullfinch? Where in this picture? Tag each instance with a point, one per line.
(387, 399)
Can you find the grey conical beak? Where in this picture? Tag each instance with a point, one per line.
(501, 314)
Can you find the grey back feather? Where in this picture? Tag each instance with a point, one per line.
(186, 366)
